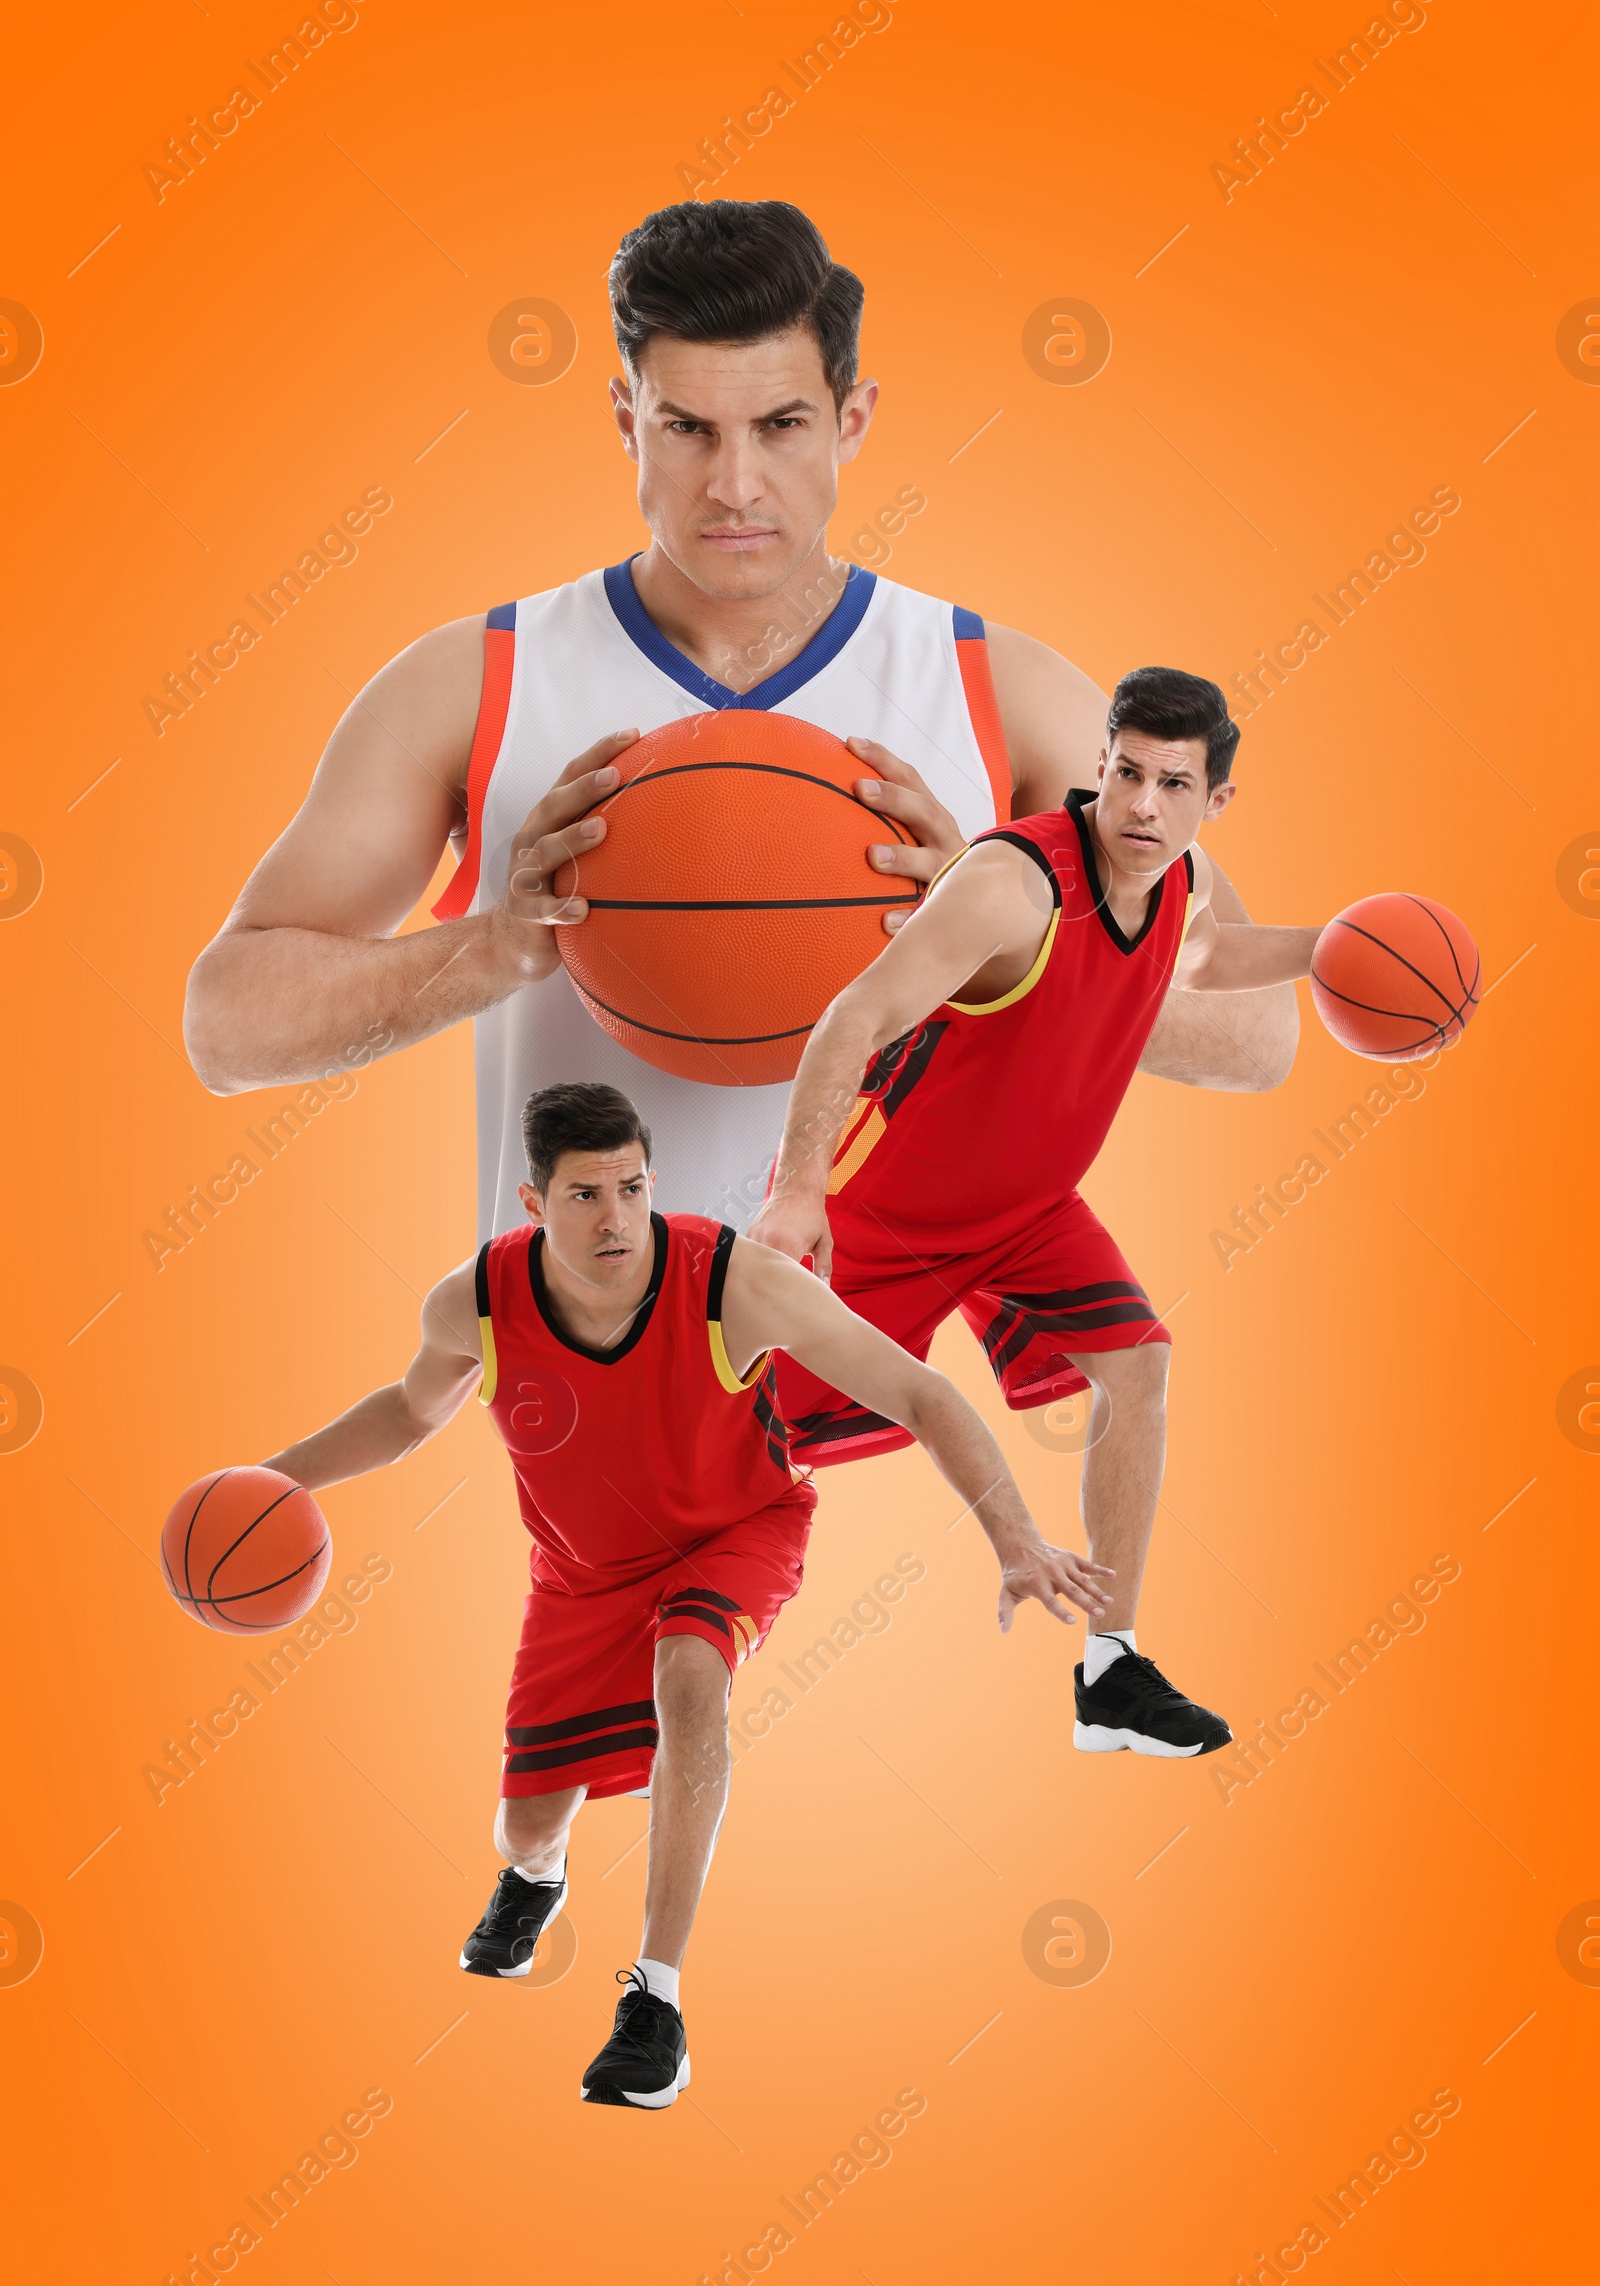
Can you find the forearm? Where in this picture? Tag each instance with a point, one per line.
(966, 1455)
(1241, 1042)
(373, 1434)
(270, 1006)
(1246, 958)
(825, 1090)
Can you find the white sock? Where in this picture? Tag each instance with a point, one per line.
(544, 1880)
(660, 1980)
(1100, 1650)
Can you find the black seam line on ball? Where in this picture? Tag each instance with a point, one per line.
(734, 904)
(699, 1039)
(1356, 930)
(244, 1535)
(246, 1595)
(649, 777)
(1400, 1015)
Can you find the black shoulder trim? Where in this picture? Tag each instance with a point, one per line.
(1030, 849)
(721, 1255)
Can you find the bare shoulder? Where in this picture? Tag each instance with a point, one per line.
(430, 692)
(388, 792)
(450, 1312)
(1053, 716)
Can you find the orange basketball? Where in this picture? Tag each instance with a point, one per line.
(731, 898)
(246, 1549)
(1395, 976)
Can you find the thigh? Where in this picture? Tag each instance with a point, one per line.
(733, 1586)
(1070, 1291)
(581, 1710)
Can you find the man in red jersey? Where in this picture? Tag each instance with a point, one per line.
(952, 1099)
(626, 1359)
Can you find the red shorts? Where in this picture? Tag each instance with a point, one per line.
(1062, 1288)
(581, 1710)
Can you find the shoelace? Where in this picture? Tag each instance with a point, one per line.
(1154, 1681)
(512, 1904)
(639, 2017)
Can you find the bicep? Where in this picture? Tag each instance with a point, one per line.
(386, 796)
(449, 1358)
(1054, 719)
(982, 907)
(771, 1303)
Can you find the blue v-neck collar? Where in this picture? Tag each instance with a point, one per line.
(824, 647)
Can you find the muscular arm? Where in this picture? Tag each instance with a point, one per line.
(394, 1421)
(991, 908)
(769, 1302)
(306, 975)
(1236, 956)
(1054, 720)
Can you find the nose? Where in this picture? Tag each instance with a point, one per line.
(735, 478)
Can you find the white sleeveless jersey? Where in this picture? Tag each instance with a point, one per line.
(561, 670)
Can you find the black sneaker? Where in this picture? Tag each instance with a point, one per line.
(513, 1920)
(646, 2059)
(1133, 1705)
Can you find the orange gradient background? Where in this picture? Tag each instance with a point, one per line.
(1295, 1968)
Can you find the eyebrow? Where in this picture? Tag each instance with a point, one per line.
(672, 412)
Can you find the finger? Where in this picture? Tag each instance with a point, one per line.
(918, 863)
(886, 765)
(598, 756)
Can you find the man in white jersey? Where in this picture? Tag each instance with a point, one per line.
(740, 399)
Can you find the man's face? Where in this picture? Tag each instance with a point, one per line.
(596, 1214)
(1153, 799)
(738, 447)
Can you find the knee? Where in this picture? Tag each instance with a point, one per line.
(1134, 1377)
(526, 1822)
(691, 1688)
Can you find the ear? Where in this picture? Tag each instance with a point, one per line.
(622, 410)
(855, 418)
(533, 1204)
(1219, 800)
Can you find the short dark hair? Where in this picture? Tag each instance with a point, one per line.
(577, 1115)
(1164, 702)
(727, 269)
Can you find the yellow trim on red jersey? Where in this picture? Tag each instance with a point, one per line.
(724, 1364)
(1018, 991)
(848, 1161)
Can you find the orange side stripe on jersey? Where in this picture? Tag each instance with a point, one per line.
(977, 681)
(499, 657)
(866, 1136)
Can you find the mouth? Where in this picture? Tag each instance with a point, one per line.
(739, 540)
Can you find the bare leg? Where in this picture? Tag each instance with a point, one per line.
(531, 1830)
(688, 1790)
(1122, 1467)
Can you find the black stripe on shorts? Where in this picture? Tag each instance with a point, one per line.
(582, 1750)
(541, 1733)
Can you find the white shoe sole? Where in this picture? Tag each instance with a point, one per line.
(528, 1963)
(663, 2096)
(1096, 1738)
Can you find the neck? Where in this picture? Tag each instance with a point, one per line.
(741, 640)
(598, 1316)
(1127, 894)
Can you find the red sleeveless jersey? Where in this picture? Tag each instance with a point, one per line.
(626, 1458)
(972, 1127)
